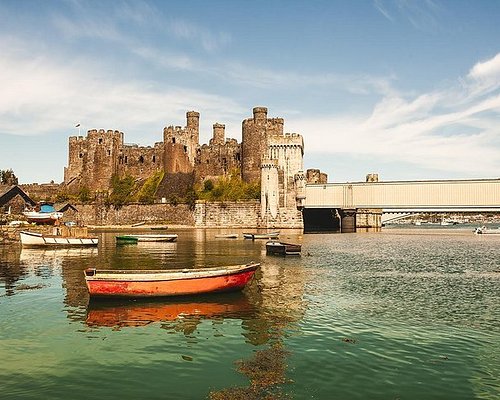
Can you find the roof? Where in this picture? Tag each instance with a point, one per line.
(7, 193)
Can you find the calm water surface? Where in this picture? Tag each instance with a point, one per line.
(401, 314)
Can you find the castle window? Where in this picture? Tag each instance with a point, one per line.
(80, 155)
(173, 140)
(237, 156)
(120, 159)
(125, 159)
(154, 158)
(185, 149)
(141, 159)
(100, 140)
(109, 152)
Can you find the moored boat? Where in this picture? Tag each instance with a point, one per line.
(29, 239)
(227, 236)
(147, 238)
(276, 247)
(45, 213)
(173, 282)
(266, 235)
(486, 231)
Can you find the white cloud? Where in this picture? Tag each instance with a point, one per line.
(444, 130)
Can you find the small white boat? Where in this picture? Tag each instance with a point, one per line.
(44, 214)
(29, 239)
(227, 236)
(147, 238)
(485, 231)
(266, 235)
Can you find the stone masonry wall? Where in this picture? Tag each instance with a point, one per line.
(97, 214)
(227, 214)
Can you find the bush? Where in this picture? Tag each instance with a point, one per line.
(122, 190)
(229, 188)
(147, 193)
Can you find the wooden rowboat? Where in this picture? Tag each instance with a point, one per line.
(34, 239)
(148, 238)
(275, 247)
(173, 282)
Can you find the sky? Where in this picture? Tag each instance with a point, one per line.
(406, 89)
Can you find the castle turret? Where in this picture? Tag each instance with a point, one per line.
(193, 124)
(218, 134)
(260, 115)
(254, 144)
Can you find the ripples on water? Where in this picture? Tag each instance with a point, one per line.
(396, 314)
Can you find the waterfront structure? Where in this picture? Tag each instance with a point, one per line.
(266, 154)
(361, 204)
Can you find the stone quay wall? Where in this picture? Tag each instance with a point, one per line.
(160, 213)
(227, 214)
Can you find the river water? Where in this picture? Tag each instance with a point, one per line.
(398, 314)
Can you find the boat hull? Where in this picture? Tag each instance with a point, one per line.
(147, 238)
(42, 218)
(269, 235)
(283, 249)
(168, 283)
(32, 239)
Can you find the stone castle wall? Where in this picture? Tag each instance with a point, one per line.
(96, 214)
(40, 192)
(230, 214)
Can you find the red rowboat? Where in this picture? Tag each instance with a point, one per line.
(173, 282)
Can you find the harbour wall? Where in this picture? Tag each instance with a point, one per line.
(230, 214)
(101, 215)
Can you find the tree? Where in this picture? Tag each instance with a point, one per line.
(7, 177)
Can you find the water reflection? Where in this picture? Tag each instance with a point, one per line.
(134, 313)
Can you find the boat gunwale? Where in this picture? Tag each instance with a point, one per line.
(167, 274)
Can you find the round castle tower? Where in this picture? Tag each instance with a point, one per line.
(254, 144)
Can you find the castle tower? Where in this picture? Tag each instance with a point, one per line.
(254, 144)
(193, 125)
(94, 159)
(181, 144)
(218, 134)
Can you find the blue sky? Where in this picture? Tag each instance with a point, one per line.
(406, 89)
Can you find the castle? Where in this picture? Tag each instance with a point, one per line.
(266, 154)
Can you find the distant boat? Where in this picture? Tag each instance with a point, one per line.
(267, 235)
(227, 236)
(147, 238)
(173, 282)
(275, 247)
(485, 231)
(44, 214)
(29, 239)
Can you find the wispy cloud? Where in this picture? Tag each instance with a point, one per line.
(209, 40)
(444, 130)
(422, 15)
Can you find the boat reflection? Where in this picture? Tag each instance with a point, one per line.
(135, 313)
(35, 255)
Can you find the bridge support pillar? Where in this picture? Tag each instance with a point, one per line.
(348, 220)
(369, 218)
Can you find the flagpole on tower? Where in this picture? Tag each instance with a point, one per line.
(79, 127)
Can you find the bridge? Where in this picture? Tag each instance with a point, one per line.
(346, 206)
